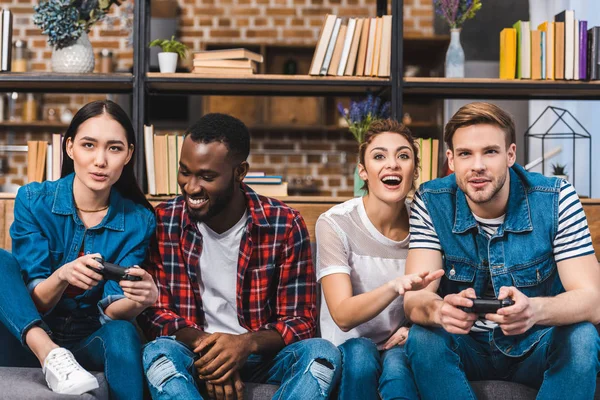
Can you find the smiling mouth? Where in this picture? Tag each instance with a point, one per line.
(197, 201)
(391, 180)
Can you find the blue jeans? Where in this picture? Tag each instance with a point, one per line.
(115, 348)
(308, 369)
(562, 365)
(368, 373)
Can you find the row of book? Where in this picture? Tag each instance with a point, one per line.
(44, 160)
(429, 154)
(226, 62)
(561, 49)
(354, 47)
(162, 161)
(6, 28)
(266, 185)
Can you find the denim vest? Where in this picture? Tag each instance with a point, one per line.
(519, 254)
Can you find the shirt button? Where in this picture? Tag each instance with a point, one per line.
(452, 271)
(87, 252)
(485, 263)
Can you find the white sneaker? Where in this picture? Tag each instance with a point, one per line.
(64, 374)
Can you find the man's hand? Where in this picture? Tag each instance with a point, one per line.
(221, 355)
(515, 319)
(231, 390)
(419, 281)
(452, 318)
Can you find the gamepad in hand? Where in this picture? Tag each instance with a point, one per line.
(114, 272)
(487, 306)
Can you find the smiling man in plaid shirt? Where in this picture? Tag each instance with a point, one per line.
(236, 282)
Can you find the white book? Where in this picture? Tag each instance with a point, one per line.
(56, 155)
(149, 153)
(576, 51)
(370, 47)
(331, 47)
(49, 166)
(569, 19)
(347, 45)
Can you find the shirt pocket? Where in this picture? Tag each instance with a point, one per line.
(537, 278)
(458, 276)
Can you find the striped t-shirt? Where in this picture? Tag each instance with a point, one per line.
(572, 238)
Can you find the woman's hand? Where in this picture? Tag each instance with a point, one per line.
(398, 338)
(78, 272)
(419, 281)
(144, 292)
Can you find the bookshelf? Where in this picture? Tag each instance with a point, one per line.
(49, 82)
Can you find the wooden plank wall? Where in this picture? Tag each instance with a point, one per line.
(310, 211)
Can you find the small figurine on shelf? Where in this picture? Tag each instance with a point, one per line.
(167, 59)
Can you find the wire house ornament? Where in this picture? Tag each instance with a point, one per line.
(573, 135)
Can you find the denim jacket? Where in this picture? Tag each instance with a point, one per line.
(519, 254)
(47, 233)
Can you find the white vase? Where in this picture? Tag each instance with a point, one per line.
(77, 58)
(455, 56)
(167, 62)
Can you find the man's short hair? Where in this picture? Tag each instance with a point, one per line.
(480, 113)
(222, 128)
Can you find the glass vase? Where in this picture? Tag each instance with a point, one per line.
(455, 56)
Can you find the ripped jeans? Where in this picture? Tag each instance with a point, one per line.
(308, 369)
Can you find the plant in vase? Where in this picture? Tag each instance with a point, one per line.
(455, 13)
(359, 116)
(559, 170)
(67, 23)
(167, 59)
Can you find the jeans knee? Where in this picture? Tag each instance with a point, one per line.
(165, 346)
(323, 362)
(359, 352)
(580, 343)
(162, 370)
(426, 344)
(121, 337)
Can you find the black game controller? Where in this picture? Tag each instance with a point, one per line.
(487, 306)
(114, 272)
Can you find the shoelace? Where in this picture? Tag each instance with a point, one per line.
(63, 362)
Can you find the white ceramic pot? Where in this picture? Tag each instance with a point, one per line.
(76, 58)
(167, 62)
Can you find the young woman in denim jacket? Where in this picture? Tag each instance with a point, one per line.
(49, 295)
(362, 246)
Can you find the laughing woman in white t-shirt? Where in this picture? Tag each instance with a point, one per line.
(362, 246)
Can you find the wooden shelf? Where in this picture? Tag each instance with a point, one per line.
(33, 125)
(50, 82)
(474, 88)
(263, 84)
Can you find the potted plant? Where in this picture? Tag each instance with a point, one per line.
(559, 170)
(167, 59)
(359, 116)
(67, 23)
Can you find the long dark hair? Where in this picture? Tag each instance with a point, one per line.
(127, 184)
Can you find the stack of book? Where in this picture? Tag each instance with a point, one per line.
(226, 62)
(44, 161)
(354, 47)
(429, 150)
(162, 161)
(561, 49)
(266, 185)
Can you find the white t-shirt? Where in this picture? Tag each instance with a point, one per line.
(218, 277)
(349, 243)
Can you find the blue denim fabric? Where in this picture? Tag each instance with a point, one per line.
(562, 365)
(368, 373)
(519, 254)
(47, 233)
(298, 368)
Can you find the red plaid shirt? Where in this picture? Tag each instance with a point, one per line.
(276, 286)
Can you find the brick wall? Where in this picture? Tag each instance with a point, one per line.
(222, 21)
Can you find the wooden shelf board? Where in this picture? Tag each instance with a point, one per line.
(263, 84)
(37, 125)
(65, 83)
(477, 88)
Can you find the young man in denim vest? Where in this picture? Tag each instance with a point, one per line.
(501, 232)
(236, 283)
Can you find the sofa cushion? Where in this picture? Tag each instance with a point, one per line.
(28, 383)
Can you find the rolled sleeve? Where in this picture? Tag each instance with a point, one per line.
(103, 305)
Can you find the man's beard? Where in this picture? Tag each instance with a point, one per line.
(216, 204)
(483, 196)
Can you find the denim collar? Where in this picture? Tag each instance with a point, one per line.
(518, 217)
(64, 204)
(253, 203)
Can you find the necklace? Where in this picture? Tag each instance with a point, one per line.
(92, 211)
